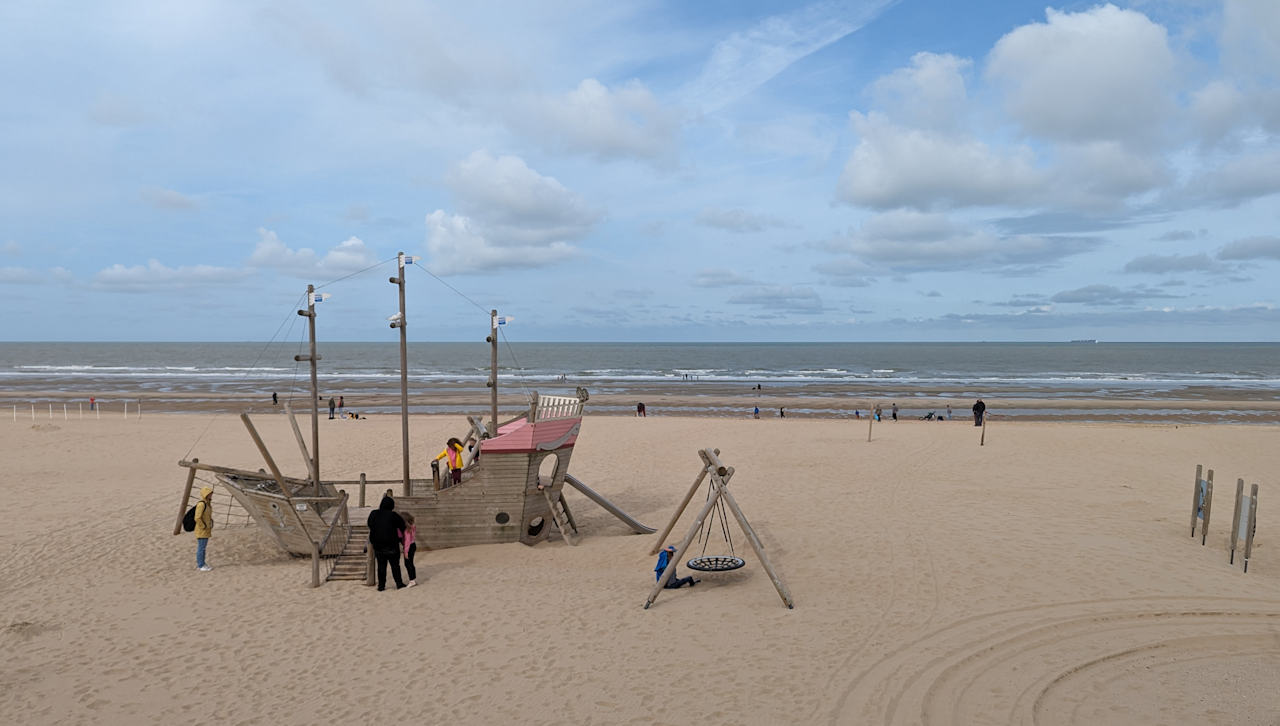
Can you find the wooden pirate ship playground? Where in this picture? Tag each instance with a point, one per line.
(513, 478)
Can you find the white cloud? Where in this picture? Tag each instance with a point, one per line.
(155, 275)
(350, 255)
(623, 122)
(1098, 75)
(456, 247)
(930, 93)
(511, 216)
(896, 166)
(514, 204)
(1238, 179)
(747, 60)
(1251, 37)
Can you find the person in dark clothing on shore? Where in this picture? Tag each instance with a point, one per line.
(332, 405)
(385, 528)
(667, 558)
(979, 409)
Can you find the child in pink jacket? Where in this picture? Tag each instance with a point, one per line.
(409, 545)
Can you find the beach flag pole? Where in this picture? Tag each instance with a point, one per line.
(398, 321)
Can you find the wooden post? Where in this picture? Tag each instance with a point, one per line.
(759, 548)
(275, 471)
(684, 545)
(315, 564)
(51, 412)
(139, 409)
(186, 497)
(1251, 525)
(662, 538)
(1195, 498)
(363, 482)
(493, 373)
(1208, 507)
(126, 410)
(1235, 520)
(871, 419)
(400, 322)
(310, 315)
(33, 412)
(15, 412)
(369, 577)
(97, 411)
(983, 441)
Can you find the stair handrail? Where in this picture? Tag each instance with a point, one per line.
(317, 550)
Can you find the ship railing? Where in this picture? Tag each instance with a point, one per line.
(332, 544)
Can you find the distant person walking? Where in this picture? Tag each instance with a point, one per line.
(781, 412)
(894, 413)
(204, 527)
(385, 529)
(756, 413)
(948, 412)
(341, 403)
(332, 406)
(410, 545)
(979, 410)
(275, 400)
(640, 410)
(93, 402)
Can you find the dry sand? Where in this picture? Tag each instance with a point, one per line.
(1047, 577)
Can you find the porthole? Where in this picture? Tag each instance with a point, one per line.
(502, 518)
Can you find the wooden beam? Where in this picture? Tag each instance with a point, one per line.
(275, 471)
(755, 544)
(186, 497)
(302, 445)
(1235, 520)
(1252, 524)
(697, 483)
(1195, 498)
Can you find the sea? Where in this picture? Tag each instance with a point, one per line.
(225, 374)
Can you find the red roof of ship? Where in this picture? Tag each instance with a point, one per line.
(522, 437)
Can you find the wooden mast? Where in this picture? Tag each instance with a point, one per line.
(310, 315)
(493, 373)
(398, 321)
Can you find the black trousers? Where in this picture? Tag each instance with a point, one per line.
(409, 569)
(385, 558)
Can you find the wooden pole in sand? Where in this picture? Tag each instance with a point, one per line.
(1251, 525)
(1235, 520)
(310, 315)
(680, 510)
(64, 412)
(759, 548)
(363, 482)
(871, 419)
(684, 545)
(983, 441)
(33, 412)
(186, 497)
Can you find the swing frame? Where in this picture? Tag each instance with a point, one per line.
(719, 475)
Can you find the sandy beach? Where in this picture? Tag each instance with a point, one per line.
(1047, 577)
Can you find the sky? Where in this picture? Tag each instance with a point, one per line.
(720, 170)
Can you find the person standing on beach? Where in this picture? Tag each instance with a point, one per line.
(342, 403)
(756, 413)
(948, 412)
(275, 400)
(409, 545)
(92, 402)
(666, 558)
(894, 413)
(781, 413)
(385, 530)
(979, 409)
(640, 410)
(204, 527)
(332, 406)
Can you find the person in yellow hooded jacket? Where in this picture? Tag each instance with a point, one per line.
(453, 452)
(204, 526)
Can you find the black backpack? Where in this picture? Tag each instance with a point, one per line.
(189, 519)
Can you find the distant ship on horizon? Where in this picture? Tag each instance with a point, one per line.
(1083, 340)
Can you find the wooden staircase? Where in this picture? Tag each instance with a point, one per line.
(352, 561)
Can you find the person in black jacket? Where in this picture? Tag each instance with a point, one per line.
(979, 409)
(385, 527)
